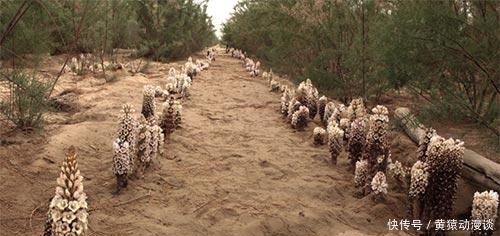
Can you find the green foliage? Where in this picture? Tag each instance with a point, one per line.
(448, 55)
(331, 42)
(27, 100)
(173, 29)
(158, 28)
(31, 26)
(445, 52)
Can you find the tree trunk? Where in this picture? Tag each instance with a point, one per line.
(476, 167)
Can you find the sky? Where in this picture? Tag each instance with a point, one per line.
(220, 11)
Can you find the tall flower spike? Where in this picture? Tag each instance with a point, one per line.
(360, 174)
(424, 143)
(485, 208)
(127, 129)
(379, 184)
(356, 140)
(419, 180)
(178, 113)
(312, 105)
(293, 106)
(376, 149)
(122, 163)
(285, 101)
(171, 116)
(335, 141)
(444, 160)
(149, 143)
(339, 112)
(329, 109)
(274, 86)
(418, 184)
(323, 100)
(299, 118)
(319, 136)
(148, 102)
(68, 208)
(156, 140)
(356, 109)
(160, 139)
(398, 171)
(307, 95)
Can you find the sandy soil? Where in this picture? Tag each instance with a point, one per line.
(234, 168)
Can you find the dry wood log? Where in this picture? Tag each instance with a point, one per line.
(476, 167)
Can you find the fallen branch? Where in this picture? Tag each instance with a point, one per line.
(476, 167)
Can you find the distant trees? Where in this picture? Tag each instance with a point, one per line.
(160, 29)
(446, 52)
(157, 29)
(173, 29)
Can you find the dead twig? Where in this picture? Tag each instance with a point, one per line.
(33, 213)
(203, 205)
(133, 200)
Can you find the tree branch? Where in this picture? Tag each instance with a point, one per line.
(20, 12)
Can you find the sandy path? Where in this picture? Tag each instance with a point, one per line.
(235, 168)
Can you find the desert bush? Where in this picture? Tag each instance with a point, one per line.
(26, 101)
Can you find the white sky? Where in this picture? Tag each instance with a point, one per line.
(220, 11)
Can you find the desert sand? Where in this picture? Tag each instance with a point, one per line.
(235, 167)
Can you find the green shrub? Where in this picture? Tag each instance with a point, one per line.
(27, 100)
